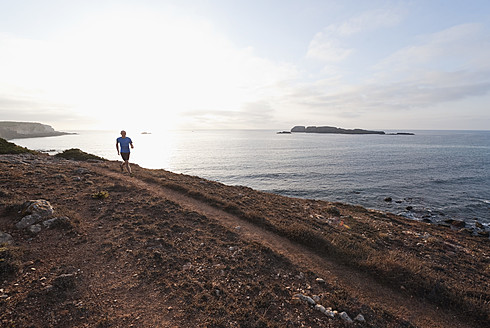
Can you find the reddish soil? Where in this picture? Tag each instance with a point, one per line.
(151, 256)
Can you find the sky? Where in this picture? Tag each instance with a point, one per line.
(251, 64)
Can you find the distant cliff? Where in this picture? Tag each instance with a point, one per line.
(14, 130)
(331, 129)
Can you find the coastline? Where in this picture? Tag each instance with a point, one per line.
(344, 163)
(357, 239)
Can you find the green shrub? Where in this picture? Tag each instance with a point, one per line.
(78, 155)
(100, 195)
(11, 148)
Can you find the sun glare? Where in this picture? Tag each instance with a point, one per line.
(150, 69)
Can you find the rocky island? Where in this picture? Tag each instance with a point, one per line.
(331, 129)
(15, 130)
(84, 245)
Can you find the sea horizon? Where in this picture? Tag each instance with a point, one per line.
(434, 175)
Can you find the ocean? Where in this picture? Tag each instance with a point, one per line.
(433, 175)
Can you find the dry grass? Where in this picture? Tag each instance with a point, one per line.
(408, 255)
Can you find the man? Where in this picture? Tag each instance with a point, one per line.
(125, 142)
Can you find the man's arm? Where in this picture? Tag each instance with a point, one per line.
(131, 143)
(117, 147)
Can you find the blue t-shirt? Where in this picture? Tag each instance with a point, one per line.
(124, 142)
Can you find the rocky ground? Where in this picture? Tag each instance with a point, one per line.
(158, 249)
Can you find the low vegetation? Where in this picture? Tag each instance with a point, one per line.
(78, 155)
(203, 268)
(11, 148)
(445, 266)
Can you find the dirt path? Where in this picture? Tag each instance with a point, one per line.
(357, 284)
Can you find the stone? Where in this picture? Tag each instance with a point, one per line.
(409, 208)
(328, 312)
(360, 318)
(305, 298)
(456, 223)
(344, 316)
(5, 238)
(34, 229)
(388, 199)
(484, 234)
(320, 308)
(39, 206)
(28, 220)
(466, 231)
(479, 225)
(320, 280)
(62, 222)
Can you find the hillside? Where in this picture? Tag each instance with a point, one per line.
(166, 250)
(15, 130)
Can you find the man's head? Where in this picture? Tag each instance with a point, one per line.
(123, 133)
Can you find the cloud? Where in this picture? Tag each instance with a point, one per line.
(330, 45)
(461, 47)
(369, 21)
(254, 115)
(444, 67)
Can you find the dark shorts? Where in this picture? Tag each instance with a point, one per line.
(125, 156)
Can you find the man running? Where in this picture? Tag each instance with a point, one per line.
(125, 142)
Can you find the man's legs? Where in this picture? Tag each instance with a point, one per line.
(126, 163)
(125, 157)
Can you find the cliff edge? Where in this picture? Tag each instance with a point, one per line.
(15, 130)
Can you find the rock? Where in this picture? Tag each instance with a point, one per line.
(298, 129)
(344, 316)
(409, 208)
(40, 206)
(28, 221)
(58, 222)
(316, 298)
(328, 312)
(466, 231)
(456, 223)
(34, 229)
(320, 280)
(5, 238)
(484, 234)
(305, 298)
(388, 199)
(360, 318)
(479, 225)
(333, 211)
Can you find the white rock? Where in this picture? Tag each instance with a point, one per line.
(328, 312)
(306, 299)
(345, 317)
